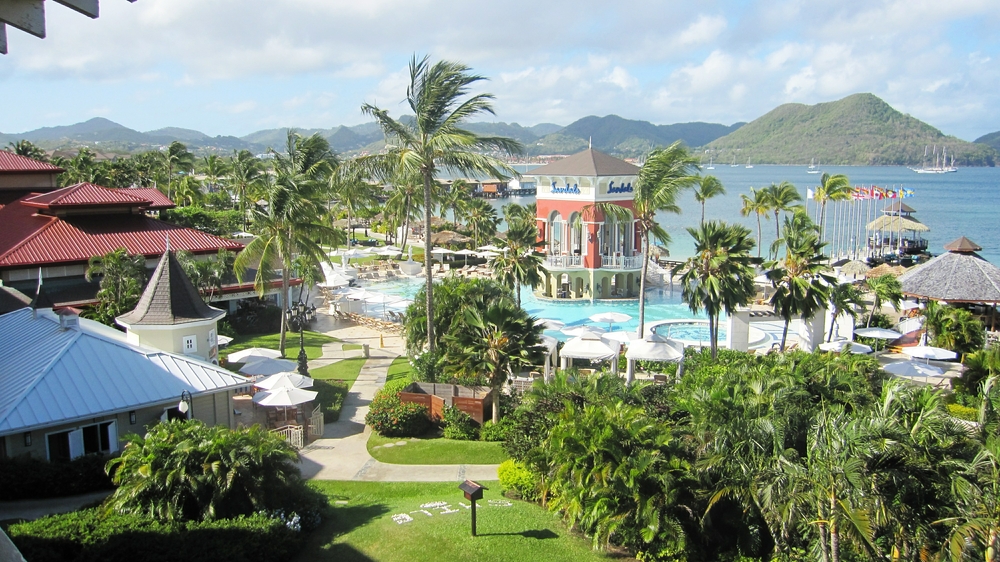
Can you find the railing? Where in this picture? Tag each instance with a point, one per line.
(316, 423)
(563, 262)
(292, 434)
(621, 262)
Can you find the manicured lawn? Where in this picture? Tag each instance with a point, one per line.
(435, 450)
(314, 343)
(399, 369)
(362, 528)
(346, 370)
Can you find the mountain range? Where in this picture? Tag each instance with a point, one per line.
(860, 129)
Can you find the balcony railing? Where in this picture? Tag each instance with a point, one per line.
(621, 262)
(563, 262)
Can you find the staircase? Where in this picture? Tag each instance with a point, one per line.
(657, 275)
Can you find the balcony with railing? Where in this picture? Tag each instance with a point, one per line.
(563, 262)
(621, 262)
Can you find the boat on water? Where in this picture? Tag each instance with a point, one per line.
(813, 169)
(749, 165)
(734, 164)
(940, 163)
(711, 163)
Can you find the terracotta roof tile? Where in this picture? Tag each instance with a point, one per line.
(11, 163)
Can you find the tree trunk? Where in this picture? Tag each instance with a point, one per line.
(760, 241)
(496, 404)
(871, 315)
(702, 212)
(784, 334)
(642, 283)
(713, 332)
(834, 536)
(777, 232)
(428, 273)
(824, 553)
(285, 278)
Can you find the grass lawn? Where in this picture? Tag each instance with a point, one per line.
(399, 369)
(362, 528)
(435, 450)
(314, 343)
(346, 370)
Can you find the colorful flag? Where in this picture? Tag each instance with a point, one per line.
(908, 193)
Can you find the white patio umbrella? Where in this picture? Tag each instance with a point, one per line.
(587, 346)
(490, 248)
(393, 248)
(442, 251)
(488, 254)
(912, 369)
(841, 345)
(334, 281)
(284, 397)
(267, 367)
(280, 380)
(879, 333)
(389, 253)
(252, 354)
(929, 352)
(347, 255)
(620, 337)
(610, 318)
(466, 253)
(381, 298)
(577, 331)
(224, 341)
(550, 323)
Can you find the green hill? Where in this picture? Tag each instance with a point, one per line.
(860, 129)
(629, 137)
(991, 140)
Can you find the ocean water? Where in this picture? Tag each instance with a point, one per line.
(965, 203)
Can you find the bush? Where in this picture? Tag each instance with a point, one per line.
(516, 480)
(391, 418)
(426, 366)
(96, 535)
(496, 431)
(28, 478)
(459, 426)
(219, 223)
(963, 412)
(331, 398)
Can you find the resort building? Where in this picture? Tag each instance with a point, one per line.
(72, 386)
(20, 176)
(588, 255)
(896, 232)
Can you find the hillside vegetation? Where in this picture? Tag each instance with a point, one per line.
(992, 140)
(858, 130)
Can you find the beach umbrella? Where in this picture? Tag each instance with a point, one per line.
(381, 298)
(879, 271)
(252, 354)
(393, 248)
(610, 318)
(620, 337)
(855, 268)
(841, 345)
(912, 369)
(576, 331)
(284, 380)
(267, 367)
(442, 251)
(655, 347)
(334, 280)
(490, 248)
(588, 346)
(449, 237)
(488, 254)
(550, 324)
(930, 352)
(224, 341)
(389, 253)
(466, 253)
(878, 333)
(347, 255)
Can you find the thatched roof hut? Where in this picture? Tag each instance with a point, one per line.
(449, 237)
(879, 271)
(960, 275)
(894, 223)
(855, 267)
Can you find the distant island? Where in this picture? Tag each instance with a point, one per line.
(860, 129)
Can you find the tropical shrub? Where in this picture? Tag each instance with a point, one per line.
(95, 535)
(187, 471)
(330, 398)
(219, 223)
(391, 418)
(963, 412)
(517, 481)
(426, 366)
(24, 478)
(459, 425)
(496, 431)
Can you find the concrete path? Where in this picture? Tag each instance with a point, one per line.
(342, 452)
(34, 509)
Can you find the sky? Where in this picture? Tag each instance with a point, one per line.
(231, 67)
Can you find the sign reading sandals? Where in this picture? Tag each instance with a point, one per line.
(575, 189)
(442, 508)
(623, 188)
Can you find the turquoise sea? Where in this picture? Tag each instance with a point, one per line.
(964, 203)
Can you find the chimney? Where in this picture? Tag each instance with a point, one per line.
(69, 318)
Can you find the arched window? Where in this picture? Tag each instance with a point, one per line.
(576, 234)
(556, 226)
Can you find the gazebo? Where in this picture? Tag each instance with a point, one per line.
(896, 231)
(958, 276)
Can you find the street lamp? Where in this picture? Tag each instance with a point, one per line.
(184, 406)
(298, 316)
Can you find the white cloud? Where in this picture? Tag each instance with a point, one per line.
(702, 31)
(621, 78)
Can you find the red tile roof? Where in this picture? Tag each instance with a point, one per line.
(85, 195)
(11, 163)
(158, 199)
(29, 239)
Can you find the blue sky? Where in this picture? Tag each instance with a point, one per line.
(236, 66)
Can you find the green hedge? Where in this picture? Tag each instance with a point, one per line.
(459, 426)
(963, 412)
(28, 478)
(331, 398)
(90, 535)
(498, 431)
(517, 480)
(391, 418)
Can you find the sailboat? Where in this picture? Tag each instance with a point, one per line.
(711, 161)
(813, 169)
(734, 164)
(749, 165)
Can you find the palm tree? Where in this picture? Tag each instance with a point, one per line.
(845, 298)
(707, 188)
(438, 96)
(780, 199)
(404, 204)
(519, 265)
(831, 188)
(457, 199)
(482, 218)
(885, 288)
(123, 277)
(214, 168)
(666, 173)
(719, 276)
(757, 203)
(495, 341)
(188, 191)
(351, 194)
(207, 275)
(799, 278)
(244, 178)
(176, 159)
(28, 150)
(291, 224)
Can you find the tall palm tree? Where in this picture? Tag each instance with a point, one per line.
(404, 204)
(666, 173)
(781, 198)
(799, 278)
(496, 341)
(245, 175)
(457, 199)
(438, 96)
(707, 188)
(123, 277)
(885, 288)
(291, 225)
(351, 194)
(757, 203)
(845, 298)
(831, 188)
(482, 218)
(188, 191)
(28, 150)
(176, 159)
(519, 264)
(215, 169)
(719, 276)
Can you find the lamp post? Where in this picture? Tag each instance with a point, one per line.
(298, 316)
(184, 406)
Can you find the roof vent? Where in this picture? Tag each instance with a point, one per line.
(69, 318)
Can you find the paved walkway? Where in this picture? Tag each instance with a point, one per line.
(34, 509)
(342, 452)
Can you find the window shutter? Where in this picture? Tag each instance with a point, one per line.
(113, 437)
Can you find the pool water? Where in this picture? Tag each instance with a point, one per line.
(689, 332)
(662, 303)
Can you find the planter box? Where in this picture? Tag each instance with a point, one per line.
(476, 401)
